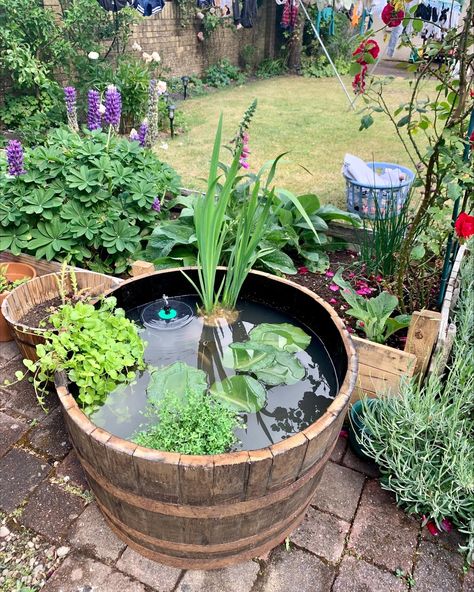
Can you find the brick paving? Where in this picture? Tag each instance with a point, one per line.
(353, 539)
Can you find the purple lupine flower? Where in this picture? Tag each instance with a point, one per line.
(134, 137)
(14, 152)
(142, 133)
(70, 100)
(94, 118)
(156, 205)
(113, 106)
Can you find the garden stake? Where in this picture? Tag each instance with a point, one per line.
(448, 261)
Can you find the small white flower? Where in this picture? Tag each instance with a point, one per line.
(93, 55)
(212, 10)
(147, 57)
(161, 86)
(156, 57)
(101, 108)
(200, 15)
(164, 145)
(136, 47)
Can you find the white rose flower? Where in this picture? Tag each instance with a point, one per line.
(156, 57)
(147, 57)
(200, 15)
(93, 55)
(161, 86)
(136, 47)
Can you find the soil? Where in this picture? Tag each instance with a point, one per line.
(353, 272)
(40, 313)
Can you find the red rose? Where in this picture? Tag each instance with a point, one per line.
(392, 17)
(471, 139)
(370, 46)
(464, 226)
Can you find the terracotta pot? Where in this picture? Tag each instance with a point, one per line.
(15, 271)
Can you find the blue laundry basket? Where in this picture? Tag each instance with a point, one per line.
(362, 199)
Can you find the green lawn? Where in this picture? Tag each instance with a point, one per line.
(309, 118)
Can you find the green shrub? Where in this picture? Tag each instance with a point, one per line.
(190, 423)
(223, 74)
(423, 440)
(87, 198)
(269, 68)
(319, 67)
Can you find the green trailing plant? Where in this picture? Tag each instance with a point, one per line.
(373, 314)
(97, 347)
(87, 198)
(188, 420)
(422, 440)
(383, 237)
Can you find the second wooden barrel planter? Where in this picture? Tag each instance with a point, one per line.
(206, 512)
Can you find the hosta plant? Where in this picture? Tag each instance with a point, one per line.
(87, 197)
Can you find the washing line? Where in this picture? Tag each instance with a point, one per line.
(318, 37)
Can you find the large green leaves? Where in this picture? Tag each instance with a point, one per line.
(51, 238)
(15, 238)
(120, 236)
(248, 356)
(282, 336)
(177, 378)
(285, 369)
(240, 392)
(83, 179)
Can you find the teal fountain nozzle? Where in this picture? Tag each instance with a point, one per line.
(167, 314)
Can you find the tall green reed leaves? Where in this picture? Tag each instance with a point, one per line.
(260, 208)
(383, 237)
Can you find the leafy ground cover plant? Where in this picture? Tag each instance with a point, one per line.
(189, 419)
(373, 314)
(97, 347)
(223, 74)
(89, 198)
(422, 439)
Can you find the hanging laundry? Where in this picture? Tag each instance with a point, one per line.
(356, 13)
(205, 3)
(326, 15)
(113, 5)
(290, 15)
(248, 14)
(148, 7)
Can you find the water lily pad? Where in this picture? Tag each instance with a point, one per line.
(248, 356)
(177, 378)
(283, 336)
(242, 393)
(286, 369)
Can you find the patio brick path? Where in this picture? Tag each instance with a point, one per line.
(353, 539)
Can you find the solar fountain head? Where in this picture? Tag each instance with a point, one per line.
(167, 312)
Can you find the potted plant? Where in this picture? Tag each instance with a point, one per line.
(12, 275)
(181, 491)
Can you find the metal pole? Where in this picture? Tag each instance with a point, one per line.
(316, 34)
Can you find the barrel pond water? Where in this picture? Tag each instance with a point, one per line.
(206, 512)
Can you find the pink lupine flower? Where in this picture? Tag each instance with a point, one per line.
(329, 273)
(333, 301)
(334, 287)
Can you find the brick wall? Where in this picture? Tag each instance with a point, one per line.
(183, 53)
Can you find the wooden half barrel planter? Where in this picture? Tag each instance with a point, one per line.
(14, 271)
(38, 291)
(206, 512)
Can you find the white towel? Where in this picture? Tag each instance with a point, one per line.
(356, 169)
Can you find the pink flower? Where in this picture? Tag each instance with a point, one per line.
(329, 273)
(378, 278)
(352, 275)
(333, 301)
(343, 434)
(364, 291)
(334, 287)
(303, 270)
(244, 164)
(350, 329)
